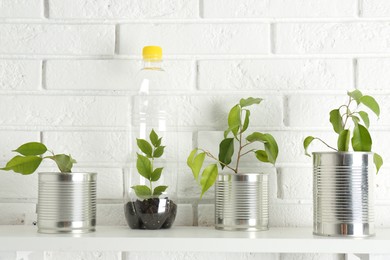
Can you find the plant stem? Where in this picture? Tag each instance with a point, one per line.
(326, 144)
(252, 150)
(239, 153)
(213, 157)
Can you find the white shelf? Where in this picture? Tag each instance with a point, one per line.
(195, 239)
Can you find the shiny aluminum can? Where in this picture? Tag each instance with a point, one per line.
(241, 201)
(66, 202)
(343, 194)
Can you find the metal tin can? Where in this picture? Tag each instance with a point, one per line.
(343, 194)
(66, 202)
(241, 201)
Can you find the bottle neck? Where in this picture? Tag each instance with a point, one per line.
(152, 64)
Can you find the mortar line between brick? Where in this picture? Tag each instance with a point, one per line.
(355, 73)
(272, 38)
(43, 76)
(359, 8)
(46, 9)
(117, 39)
(201, 9)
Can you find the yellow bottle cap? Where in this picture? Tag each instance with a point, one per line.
(152, 53)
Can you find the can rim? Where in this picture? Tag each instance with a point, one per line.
(338, 152)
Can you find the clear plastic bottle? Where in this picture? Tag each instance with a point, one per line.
(150, 181)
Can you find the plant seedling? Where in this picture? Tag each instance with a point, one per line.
(145, 166)
(341, 119)
(238, 122)
(31, 156)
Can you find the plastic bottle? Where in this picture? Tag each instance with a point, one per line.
(148, 204)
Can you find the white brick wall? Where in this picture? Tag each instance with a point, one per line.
(67, 66)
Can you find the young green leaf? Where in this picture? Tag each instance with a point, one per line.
(306, 143)
(364, 116)
(63, 161)
(142, 191)
(271, 148)
(144, 166)
(356, 95)
(371, 103)
(159, 190)
(145, 147)
(156, 174)
(262, 156)
(361, 140)
(246, 121)
(32, 148)
(378, 161)
(256, 136)
(23, 164)
(195, 162)
(336, 120)
(343, 140)
(226, 150)
(208, 178)
(158, 152)
(234, 119)
(153, 138)
(249, 101)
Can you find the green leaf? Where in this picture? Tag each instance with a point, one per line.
(343, 140)
(145, 147)
(208, 178)
(158, 152)
(336, 120)
(234, 119)
(271, 148)
(153, 138)
(226, 150)
(361, 140)
(156, 174)
(226, 132)
(63, 161)
(307, 142)
(144, 166)
(262, 156)
(378, 161)
(159, 190)
(33, 148)
(356, 95)
(355, 119)
(270, 145)
(142, 191)
(158, 143)
(246, 121)
(23, 164)
(195, 162)
(371, 103)
(365, 118)
(249, 101)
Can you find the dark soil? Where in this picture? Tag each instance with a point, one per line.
(151, 213)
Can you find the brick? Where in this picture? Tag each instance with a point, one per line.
(91, 147)
(23, 110)
(21, 9)
(307, 256)
(122, 9)
(195, 38)
(290, 215)
(184, 215)
(213, 110)
(382, 216)
(197, 255)
(382, 184)
(373, 74)
(16, 213)
(99, 255)
(312, 110)
(279, 8)
(296, 183)
(110, 215)
(50, 39)
(113, 75)
(18, 186)
(10, 140)
(375, 8)
(276, 74)
(353, 37)
(20, 75)
(206, 215)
